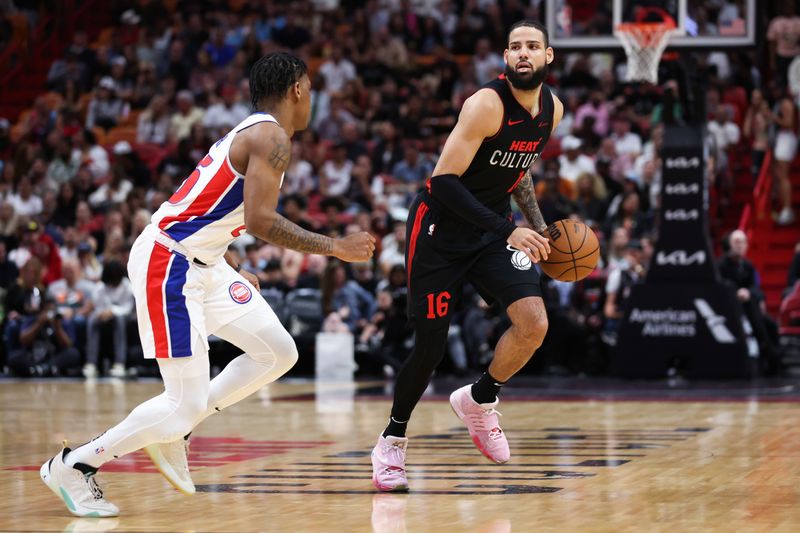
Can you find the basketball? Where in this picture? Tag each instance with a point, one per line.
(574, 251)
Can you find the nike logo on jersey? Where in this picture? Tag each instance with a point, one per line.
(514, 122)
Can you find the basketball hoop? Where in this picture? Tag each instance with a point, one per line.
(644, 42)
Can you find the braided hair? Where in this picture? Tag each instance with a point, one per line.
(273, 75)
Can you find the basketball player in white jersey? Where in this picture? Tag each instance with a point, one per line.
(187, 287)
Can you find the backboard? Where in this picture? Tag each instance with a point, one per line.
(589, 24)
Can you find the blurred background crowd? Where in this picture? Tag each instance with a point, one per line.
(128, 110)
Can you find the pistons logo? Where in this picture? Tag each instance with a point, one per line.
(519, 259)
(240, 292)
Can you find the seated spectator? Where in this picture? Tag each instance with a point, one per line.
(113, 309)
(572, 163)
(135, 169)
(90, 154)
(217, 49)
(337, 70)
(388, 333)
(38, 340)
(154, 122)
(36, 243)
(62, 167)
(413, 170)
(345, 298)
(225, 114)
(332, 207)
(590, 203)
(115, 191)
(598, 110)
(487, 63)
(615, 255)
(294, 210)
(186, 116)
(299, 176)
(739, 273)
(361, 183)
(630, 216)
(553, 204)
(393, 248)
(179, 164)
(90, 266)
(618, 289)
(106, 109)
(72, 296)
(24, 202)
(626, 142)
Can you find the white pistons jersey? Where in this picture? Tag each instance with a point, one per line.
(206, 213)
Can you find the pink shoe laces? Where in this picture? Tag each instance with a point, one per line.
(395, 455)
(487, 421)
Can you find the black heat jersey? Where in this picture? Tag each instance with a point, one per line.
(501, 161)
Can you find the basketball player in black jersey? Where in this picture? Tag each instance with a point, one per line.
(460, 229)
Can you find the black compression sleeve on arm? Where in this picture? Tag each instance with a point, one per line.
(449, 191)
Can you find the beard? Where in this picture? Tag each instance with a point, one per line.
(526, 81)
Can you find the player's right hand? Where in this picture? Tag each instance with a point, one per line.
(353, 248)
(535, 246)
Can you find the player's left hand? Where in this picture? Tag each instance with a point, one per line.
(252, 278)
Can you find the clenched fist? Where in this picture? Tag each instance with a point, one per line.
(353, 248)
(535, 246)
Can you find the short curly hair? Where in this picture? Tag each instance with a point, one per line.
(273, 75)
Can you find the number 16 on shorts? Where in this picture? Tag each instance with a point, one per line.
(438, 305)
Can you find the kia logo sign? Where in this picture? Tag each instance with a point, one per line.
(681, 258)
(680, 189)
(682, 162)
(681, 214)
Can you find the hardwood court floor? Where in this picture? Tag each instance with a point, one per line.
(295, 458)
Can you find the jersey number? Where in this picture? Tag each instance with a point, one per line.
(189, 183)
(438, 305)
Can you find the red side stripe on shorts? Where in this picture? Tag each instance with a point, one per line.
(156, 275)
(412, 245)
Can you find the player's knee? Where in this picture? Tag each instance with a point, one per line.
(532, 329)
(278, 347)
(288, 355)
(185, 416)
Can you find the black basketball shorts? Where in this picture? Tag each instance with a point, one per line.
(439, 260)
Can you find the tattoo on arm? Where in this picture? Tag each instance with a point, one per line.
(289, 235)
(525, 197)
(280, 155)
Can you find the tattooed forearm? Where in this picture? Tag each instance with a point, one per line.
(289, 235)
(525, 197)
(280, 155)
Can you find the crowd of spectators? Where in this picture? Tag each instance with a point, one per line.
(388, 80)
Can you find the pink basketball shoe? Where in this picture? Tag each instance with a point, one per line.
(482, 423)
(389, 464)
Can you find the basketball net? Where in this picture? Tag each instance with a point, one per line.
(644, 42)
